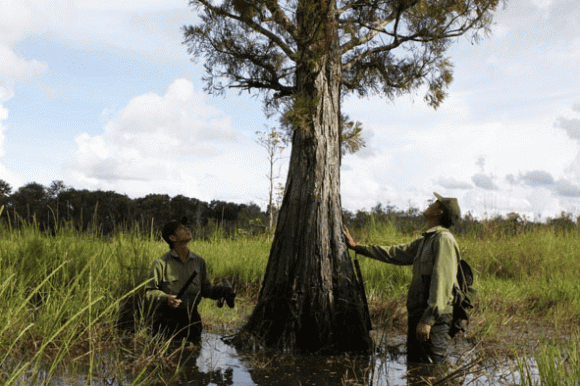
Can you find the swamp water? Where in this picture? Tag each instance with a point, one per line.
(216, 363)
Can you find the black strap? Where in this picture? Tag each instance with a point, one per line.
(187, 283)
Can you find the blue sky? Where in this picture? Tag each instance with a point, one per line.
(103, 95)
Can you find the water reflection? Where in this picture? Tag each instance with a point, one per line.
(216, 363)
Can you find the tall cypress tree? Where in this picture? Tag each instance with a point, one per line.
(303, 57)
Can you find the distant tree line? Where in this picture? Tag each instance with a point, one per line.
(411, 221)
(106, 211)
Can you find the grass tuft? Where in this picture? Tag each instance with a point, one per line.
(71, 301)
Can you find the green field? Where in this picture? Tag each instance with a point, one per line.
(72, 297)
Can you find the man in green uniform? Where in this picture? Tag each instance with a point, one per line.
(173, 317)
(435, 258)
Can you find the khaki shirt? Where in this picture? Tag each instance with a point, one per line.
(169, 274)
(435, 258)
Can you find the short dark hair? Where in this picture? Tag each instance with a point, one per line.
(169, 230)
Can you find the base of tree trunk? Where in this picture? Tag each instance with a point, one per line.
(287, 322)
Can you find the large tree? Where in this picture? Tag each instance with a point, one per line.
(303, 57)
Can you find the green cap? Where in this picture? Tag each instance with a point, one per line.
(451, 205)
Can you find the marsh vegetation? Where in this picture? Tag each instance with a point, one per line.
(71, 301)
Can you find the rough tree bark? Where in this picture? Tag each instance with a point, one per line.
(309, 297)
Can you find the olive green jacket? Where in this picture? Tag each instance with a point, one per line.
(435, 258)
(169, 274)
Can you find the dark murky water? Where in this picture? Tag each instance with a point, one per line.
(216, 363)
(219, 364)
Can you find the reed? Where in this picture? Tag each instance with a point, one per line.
(64, 296)
(555, 364)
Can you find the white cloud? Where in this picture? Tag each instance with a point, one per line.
(487, 203)
(418, 151)
(538, 178)
(570, 125)
(15, 69)
(18, 19)
(567, 189)
(172, 143)
(544, 203)
(452, 183)
(564, 18)
(543, 4)
(484, 181)
(5, 174)
(179, 122)
(3, 117)
(150, 27)
(131, 5)
(566, 52)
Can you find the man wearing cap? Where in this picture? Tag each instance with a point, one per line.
(178, 317)
(435, 258)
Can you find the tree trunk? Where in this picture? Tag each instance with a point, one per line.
(309, 299)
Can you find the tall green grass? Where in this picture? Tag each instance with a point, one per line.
(534, 271)
(63, 297)
(71, 299)
(529, 279)
(553, 365)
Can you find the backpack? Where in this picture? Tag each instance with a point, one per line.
(463, 298)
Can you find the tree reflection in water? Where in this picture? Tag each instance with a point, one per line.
(217, 363)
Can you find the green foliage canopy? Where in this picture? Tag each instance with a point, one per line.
(387, 47)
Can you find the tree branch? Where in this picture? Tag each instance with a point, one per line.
(275, 74)
(253, 25)
(379, 27)
(281, 18)
(373, 31)
(247, 84)
(396, 43)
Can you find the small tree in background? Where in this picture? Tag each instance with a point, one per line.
(5, 189)
(274, 141)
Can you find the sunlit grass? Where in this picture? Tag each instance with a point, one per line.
(63, 296)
